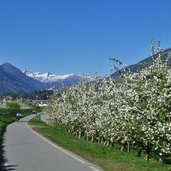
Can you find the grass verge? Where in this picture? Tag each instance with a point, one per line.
(108, 158)
(7, 116)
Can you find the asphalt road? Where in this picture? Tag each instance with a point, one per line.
(25, 150)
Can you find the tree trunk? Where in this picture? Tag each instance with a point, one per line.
(139, 152)
(79, 135)
(128, 147)
(148, 150)
(92, 139)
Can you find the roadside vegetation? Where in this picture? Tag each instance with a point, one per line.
(109, 158)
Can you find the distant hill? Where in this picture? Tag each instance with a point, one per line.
(13, 80)
(137, 67)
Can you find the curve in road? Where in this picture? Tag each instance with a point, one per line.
(26, 150)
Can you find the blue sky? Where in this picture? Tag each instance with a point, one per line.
(79, 36)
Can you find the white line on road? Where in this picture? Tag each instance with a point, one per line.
(93, 168)
(57, 147)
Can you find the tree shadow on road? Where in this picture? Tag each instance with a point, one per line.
(3, 161)
(1, 154)
(9, 168)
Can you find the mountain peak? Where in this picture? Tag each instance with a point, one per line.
(9, 68)
(6, 64)
(13, 80)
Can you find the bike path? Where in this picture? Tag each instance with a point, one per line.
(25, 150)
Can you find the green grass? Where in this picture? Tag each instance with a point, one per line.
(7, 116)
(108, 158)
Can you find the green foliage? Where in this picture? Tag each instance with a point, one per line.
(13, 105)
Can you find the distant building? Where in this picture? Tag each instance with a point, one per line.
(41, 103)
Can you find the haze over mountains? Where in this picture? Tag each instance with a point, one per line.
(14, 80)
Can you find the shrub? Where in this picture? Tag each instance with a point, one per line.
(13, 105)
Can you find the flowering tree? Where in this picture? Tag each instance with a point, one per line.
(135, 112)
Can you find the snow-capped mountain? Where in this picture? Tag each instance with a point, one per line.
(55, 80)
(47, 77)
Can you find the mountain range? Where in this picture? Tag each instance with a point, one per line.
(54, 80)
(46, 77)
(15, 80)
